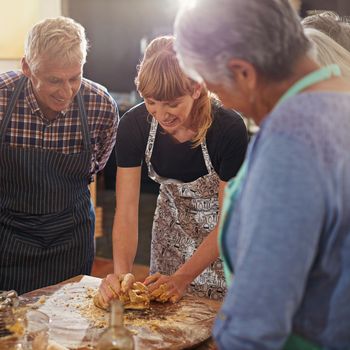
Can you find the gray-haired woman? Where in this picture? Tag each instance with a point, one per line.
(287, 241)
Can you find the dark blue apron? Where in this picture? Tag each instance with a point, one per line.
(46, 215)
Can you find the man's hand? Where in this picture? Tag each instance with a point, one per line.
(112, 285)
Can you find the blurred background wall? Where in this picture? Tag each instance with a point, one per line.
(16, 17)
(118, 31)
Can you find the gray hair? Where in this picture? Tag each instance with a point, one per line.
(327, 51)
(330, 23)
(266, 33)
(59, 37)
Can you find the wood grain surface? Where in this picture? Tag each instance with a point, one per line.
(76, 323)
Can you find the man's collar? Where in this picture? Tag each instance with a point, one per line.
(32, 102)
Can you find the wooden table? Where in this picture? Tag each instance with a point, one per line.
(47, 291)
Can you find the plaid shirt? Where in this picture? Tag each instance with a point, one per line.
(29, 127)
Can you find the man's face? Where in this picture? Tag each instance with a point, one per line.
(55, 84)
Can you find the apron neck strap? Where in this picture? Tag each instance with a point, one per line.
(84, 122)
(311, 79)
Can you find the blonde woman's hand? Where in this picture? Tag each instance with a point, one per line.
(167, 288)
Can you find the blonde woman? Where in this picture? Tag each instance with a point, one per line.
(192, 147)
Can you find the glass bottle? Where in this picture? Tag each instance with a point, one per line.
(116, 336)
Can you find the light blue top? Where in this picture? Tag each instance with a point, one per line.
(288, 239)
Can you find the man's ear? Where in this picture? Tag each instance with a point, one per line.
(25, 68)
(243, 73)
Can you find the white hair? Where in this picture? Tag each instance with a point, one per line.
(59, 37)
(327, 51)
(266, 33)
(330, 23)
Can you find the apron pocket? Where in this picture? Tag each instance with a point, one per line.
(42, 231)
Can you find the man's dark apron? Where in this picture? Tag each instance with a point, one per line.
(46, 216)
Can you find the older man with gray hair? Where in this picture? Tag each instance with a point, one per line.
(285, 230)
(57, 130)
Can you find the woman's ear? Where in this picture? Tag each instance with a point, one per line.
(243, 73)
(197, 90)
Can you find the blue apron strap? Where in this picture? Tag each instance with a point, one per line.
(84, 123)
(85, 127)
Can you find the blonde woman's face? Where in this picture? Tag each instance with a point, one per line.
(172, 115)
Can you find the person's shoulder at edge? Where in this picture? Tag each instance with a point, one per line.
(225, 120)
(8, 79)
(132, 136)
(137, 111)
(137, 114)
(304, 117)
(136, 122)
(314, 104)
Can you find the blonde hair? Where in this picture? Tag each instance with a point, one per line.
(59, 37)
(160, 77)
(327, 51)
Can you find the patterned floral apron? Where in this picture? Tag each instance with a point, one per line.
(186, 213)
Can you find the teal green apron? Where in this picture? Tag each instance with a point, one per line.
(233, 189)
